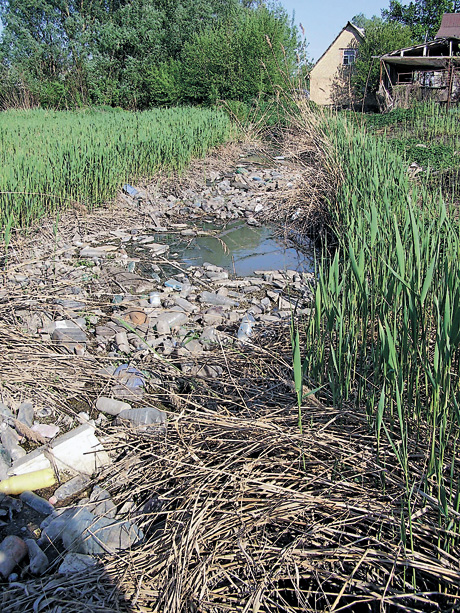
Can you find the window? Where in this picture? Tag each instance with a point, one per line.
(349, 57)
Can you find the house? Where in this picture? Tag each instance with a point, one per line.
(430, 71)
(330, 76)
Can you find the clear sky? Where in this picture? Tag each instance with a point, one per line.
(323, 20)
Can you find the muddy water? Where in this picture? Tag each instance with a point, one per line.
(239, 248)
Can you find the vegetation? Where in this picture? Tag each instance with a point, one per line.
(385, 332)
(141, 53)
(423, 17)
(52, 158)
(381, 37)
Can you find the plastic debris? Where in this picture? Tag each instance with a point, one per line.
(246, 326)
(36, 480)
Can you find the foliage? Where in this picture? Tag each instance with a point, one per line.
(86, 156)
(385, 330)
(381, 37)
(423, 17)
(239, 58)
(139, 53)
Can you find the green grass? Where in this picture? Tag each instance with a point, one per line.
(49, 159)
(427, 134)
(385, 333)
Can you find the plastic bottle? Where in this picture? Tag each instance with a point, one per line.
(154, 299)
(217, 299)
(173, 284)
(36, 480)
(245, 329)
(70, 488)
(173, 318)
(36, 502)
(145, 416)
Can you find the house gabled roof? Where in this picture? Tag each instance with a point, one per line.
(450, 26)
(359, 32)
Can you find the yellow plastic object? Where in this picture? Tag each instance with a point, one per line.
(37, 480)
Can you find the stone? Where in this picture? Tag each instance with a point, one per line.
(82, 532)
(75, 563)
(26, 414)
(38, 560)
(46, 430)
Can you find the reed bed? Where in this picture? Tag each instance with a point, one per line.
(384, 336)
(53, 159)
(242, 512)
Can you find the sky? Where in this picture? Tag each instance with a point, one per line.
(323, 20)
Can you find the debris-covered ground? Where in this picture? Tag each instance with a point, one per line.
(160, 395)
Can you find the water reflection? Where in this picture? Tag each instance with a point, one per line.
(248, 249)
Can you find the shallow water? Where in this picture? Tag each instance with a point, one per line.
(247, 248)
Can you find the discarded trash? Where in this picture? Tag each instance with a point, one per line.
(36, 502)
(129, 376)
(155, 299)
(12, 551)
(70, 488)
(111, 405)
(78, 451)
(130, 190)
(36, 480)
(145, 416)
(173, 318)
(173, 284)
(245, 329)
(216, 299)
(38, 560)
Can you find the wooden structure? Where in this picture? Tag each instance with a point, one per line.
(430, 71)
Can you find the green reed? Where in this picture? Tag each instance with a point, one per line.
(49, 159)
(385, 335)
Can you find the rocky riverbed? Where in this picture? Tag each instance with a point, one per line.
(107, 293)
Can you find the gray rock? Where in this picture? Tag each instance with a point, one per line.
(26, 414)
(38, 560)
(83, 532)
(76, 563)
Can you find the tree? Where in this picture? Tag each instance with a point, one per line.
(380, 37)
(422, 16)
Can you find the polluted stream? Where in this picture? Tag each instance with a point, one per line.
(253, 277)
(237, 247)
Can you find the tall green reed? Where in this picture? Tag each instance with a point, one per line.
(386, 330)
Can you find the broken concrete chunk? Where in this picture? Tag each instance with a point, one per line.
(78, 451)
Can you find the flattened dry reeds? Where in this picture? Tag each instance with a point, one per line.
(243, 513)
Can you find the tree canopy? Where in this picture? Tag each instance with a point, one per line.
(140, 53)
(423, 17)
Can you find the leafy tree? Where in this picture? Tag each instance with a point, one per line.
(380, 37)
(422, 16)
(240, 57)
